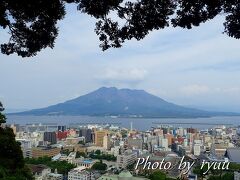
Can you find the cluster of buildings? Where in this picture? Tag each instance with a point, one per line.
(42, 172)
(162, 142)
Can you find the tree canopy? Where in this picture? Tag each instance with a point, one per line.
(63, 167)
(12, 164)
(2, 116)
(158, 175)
(99, 166)
(101, 156)
(32, 24)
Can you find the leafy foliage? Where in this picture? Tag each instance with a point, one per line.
(99, 166)
(215, 174)
(227, 176)
(63, 167)
(65, 151)
(2, 116)
(81, 142)
(124, 133)
(158, 175)
(131, 167)
(200, 171)
(234, 167)
(98, 152)
(99, 155)
(12, 164)
(32, 24)
(80, 154)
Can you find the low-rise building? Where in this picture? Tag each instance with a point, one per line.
(233, 155)
(40, 171)
(80, 173)
(45, 151)
(126, 159)
(124, 175)
(87, 163)
(135, 143)
(73, 140)
(54, 176)
(236, 175)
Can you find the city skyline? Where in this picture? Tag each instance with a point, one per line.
(131, 150)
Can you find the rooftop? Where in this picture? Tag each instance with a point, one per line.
(37, 168)
(233, 154)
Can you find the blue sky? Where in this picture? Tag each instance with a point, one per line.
(198, 67)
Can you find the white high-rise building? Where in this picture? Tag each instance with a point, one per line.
(164, 143)
(26, 146)
(106, 142)
(180, 131)
(185, 143)
(126, 159)
(115, 150)
(197, 149)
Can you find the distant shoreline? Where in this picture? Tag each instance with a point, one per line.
(129, 117)
(138, 123)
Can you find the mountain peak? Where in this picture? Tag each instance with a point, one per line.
(107, 101)
(106, 88)
(114, 89)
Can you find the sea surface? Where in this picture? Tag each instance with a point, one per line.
(137, 123)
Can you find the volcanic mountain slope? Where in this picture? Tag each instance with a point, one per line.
(121, 102)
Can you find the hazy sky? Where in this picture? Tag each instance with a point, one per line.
(199, 68)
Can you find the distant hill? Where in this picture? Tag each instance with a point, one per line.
(124, 103)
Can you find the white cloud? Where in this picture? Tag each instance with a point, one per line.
(183, 66)
(195, 89)
(231, 90)
(123, 75)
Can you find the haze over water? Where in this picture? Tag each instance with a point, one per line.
(138, 123)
